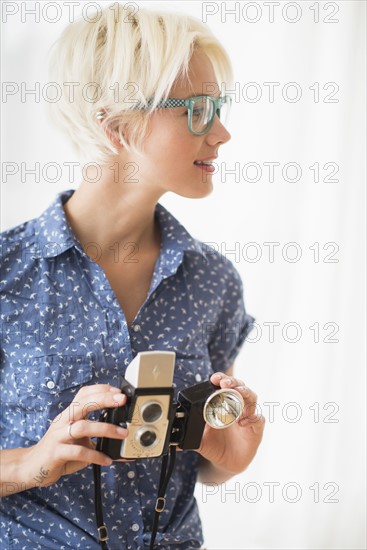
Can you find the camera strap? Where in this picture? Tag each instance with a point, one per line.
(101, 527)
(168, 463)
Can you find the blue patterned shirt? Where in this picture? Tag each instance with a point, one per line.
(62, 328)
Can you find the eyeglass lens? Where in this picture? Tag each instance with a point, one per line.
(203, 113)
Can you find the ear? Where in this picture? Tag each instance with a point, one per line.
(111, 135)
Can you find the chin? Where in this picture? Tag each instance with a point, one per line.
(198, 189)
(200, 192)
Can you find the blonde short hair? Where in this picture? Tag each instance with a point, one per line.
(118, 62)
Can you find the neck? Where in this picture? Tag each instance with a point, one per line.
(106, 216)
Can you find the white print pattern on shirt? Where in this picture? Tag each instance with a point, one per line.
(62, 328)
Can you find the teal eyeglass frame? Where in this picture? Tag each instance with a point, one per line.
(172, 102)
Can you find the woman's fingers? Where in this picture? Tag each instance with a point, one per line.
(92, 398)
(93, 388)
(224, 381)
(249, 396)
(90, 428)
(67, 445)
(79, 453)
(257, 422)
(250, 399)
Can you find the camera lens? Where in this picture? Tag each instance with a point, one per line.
(151, 412)
(147, 438)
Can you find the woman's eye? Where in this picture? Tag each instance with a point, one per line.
(197, 112)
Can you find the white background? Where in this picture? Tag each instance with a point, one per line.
(325, 446)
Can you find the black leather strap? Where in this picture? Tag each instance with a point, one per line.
(101, 527)
(168, 463)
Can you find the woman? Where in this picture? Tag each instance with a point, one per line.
(106, 272)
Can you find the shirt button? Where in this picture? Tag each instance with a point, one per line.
(136, 328)
(50, 384)
(131, 474)
(135, 527)
(198, 377)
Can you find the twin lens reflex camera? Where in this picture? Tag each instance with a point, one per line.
(156, 420)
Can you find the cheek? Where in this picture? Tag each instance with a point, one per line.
(171, 155)
(170, 141)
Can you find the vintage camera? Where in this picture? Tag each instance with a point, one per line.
(154, 420)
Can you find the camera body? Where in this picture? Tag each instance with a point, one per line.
(154, 420)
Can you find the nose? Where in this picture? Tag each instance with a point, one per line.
(217, 133)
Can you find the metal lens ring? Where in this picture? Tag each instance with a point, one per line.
(146, 437)
(151, 411)
(223, 408)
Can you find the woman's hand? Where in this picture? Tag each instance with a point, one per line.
(232, 449)
(67, 447)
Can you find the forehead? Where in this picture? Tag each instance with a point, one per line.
(201, 78)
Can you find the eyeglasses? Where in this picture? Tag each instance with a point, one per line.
(201, 110)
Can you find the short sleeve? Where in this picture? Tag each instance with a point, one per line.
(233, 325)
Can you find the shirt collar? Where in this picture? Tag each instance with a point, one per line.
(54, 235)
(174, 235)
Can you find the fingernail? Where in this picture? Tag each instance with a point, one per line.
(122, 431)
(119, 397)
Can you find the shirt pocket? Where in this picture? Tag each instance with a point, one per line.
(191, 369)
(45, 387)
